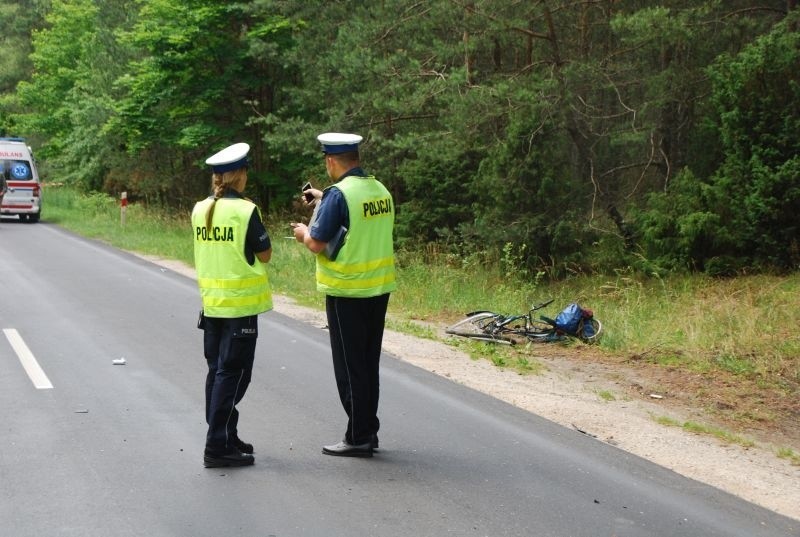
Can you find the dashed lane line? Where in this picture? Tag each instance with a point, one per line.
(28, 360)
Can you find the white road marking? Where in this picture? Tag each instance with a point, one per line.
(28, 361)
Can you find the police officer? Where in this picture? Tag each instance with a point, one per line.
(351, 235)
(231, 247)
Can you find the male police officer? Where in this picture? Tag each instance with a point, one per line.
(352, 238)
(231, 247)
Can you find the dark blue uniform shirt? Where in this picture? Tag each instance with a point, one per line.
(332, 212)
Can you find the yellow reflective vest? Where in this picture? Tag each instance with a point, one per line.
(229, 286)
(364, 266)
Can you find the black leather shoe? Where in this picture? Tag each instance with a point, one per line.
(374, 442)
(232, 458)
(242, 446)
(343, 449)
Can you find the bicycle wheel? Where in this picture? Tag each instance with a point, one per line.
(541, 332)
(480, 326)
(590, 333)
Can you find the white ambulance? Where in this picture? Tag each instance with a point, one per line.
(23, 196)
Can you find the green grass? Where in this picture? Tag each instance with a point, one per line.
(411, 328)
(698, 428)
(744, 327)
(606, 395)
(146, 231)
(789, 454)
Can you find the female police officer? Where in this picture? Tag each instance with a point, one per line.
(231, 246)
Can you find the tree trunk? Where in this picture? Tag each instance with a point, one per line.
(622, 226)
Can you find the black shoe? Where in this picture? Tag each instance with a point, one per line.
(374, 442)
(343, 449)
(231, 458)
(242, 446)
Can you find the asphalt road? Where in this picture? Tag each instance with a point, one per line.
(90, 448)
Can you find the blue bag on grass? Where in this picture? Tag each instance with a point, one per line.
(569, 319)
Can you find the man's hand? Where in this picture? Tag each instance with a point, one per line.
(299, 231)
(311, 196)
(301, 235)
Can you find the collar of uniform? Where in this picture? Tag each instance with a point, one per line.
(357, 171)
(231, 193)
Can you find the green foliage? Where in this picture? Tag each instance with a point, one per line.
(677, 230)
(588, 139)
(180, 95)
(18, 19)
(434, 202)
(58, 58)
(757, 97)
(745, 214)
(171, 92)
(69, 98)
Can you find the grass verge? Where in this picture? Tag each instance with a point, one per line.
(699, 428)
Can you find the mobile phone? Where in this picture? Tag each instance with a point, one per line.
(308, 195)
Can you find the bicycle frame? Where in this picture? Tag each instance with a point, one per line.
(508, 329)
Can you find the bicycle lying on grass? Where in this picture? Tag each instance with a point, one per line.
(573, 321)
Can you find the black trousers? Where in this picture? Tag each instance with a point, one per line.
(356, 331)
(229, 347)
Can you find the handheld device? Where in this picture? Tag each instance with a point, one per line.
(308, 196)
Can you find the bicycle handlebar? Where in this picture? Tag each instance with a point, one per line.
(542, 305)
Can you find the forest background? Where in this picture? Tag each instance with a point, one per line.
(565, 137)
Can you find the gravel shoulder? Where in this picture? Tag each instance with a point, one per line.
(567, 392)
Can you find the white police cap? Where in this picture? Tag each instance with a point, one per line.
(339, 142)
(231, 158)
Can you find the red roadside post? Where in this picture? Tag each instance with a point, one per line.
(123, 207)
